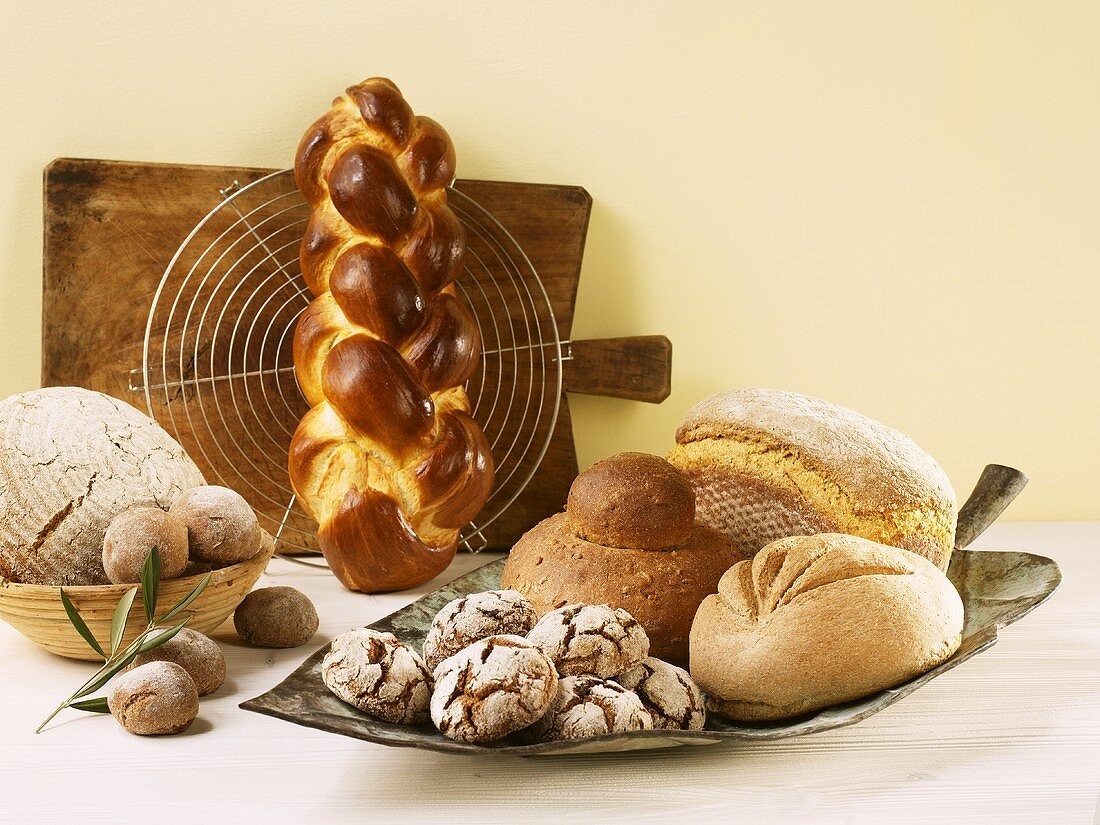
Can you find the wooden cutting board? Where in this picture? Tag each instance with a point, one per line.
(112, 227)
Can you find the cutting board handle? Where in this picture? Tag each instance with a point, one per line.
(638, 367)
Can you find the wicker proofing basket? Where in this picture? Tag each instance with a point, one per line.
(35, 610)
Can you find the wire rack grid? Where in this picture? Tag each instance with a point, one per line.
(218, 368)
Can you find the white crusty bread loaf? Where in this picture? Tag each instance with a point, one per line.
(767, 464)
(812, 621)
(70, 461)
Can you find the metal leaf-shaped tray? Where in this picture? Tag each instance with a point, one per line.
(997, 588)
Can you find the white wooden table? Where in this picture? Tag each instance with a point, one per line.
(1011, 736)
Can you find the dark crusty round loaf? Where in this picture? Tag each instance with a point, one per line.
(554, 566)
(632, 500)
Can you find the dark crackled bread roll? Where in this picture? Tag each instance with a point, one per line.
(768, 464)
(472, 618)
(379, 675)
(653, 560)
(813, 621)
(585, 706)
(591, 639)
(493, 688)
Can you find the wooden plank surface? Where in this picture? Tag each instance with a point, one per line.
(1012, 736)
(112, 227)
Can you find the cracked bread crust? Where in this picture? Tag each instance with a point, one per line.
(591, 639)
(494, 687)
(70, 461)
(475, 617)
(379, 675)
(812, 621)
(585, 706)
(668, 693)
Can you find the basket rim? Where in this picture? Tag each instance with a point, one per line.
(218, 575)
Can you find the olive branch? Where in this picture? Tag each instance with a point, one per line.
(154, 635)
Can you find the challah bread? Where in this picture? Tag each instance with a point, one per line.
(767, 464)
(816, 620)
(643, 553)
(388, 460)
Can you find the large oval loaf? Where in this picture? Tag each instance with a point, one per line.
(388, 460)
(812, 621)
(70, 461)
(767, 464)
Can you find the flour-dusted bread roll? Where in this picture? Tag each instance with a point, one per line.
(70, 461)
(816, 620)
(768, 464)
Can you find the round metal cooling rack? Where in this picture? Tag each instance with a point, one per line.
(218, 369)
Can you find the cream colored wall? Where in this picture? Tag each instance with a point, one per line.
(893, 206)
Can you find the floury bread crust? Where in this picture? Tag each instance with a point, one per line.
(812, 621)
(767, 464)
(70, 461)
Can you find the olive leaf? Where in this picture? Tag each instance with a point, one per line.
(153, 636)
(186, 601)
(150, 582)
(97, 705)
(103, 676)
(79, 624)
(118, 620)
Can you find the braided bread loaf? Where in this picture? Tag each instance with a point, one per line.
(388, 460)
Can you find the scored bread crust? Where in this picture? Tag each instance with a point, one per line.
(767, 464)
(388, 460)
(812, 621)
(72, 459)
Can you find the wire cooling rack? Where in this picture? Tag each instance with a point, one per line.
(218, 370)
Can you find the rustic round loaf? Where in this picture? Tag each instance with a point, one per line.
(660, 588)
(813, 621)
(768, 464)
(628, 499)
(70, 460)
